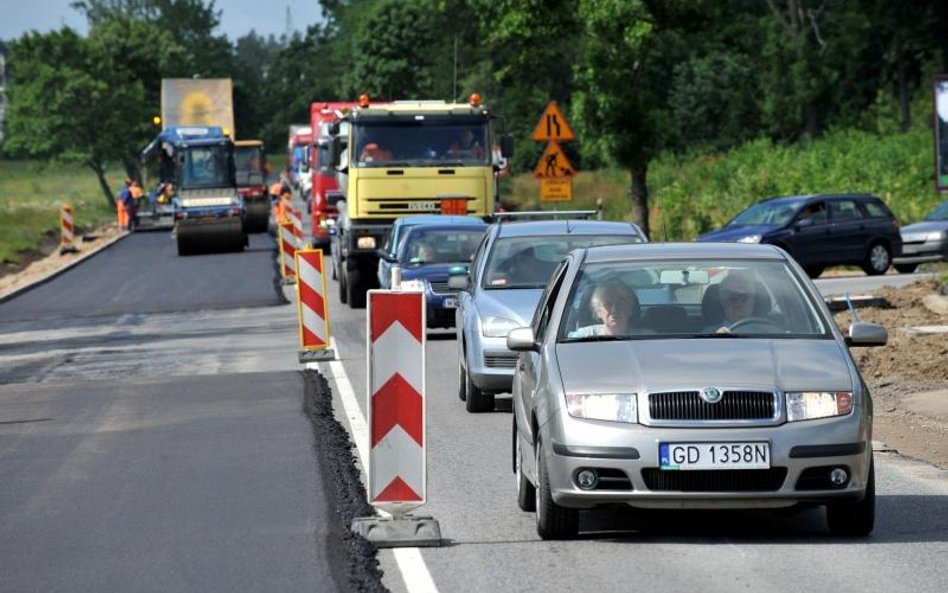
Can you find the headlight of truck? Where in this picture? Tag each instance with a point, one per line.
(614, 407)
(497, 327)
(365, 242)
(749, 239)
(808, 405)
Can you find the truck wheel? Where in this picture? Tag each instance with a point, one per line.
(355, 291)
(342, 288)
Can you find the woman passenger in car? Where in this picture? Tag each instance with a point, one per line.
(616, 306)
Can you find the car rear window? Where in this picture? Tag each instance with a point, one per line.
(876, 208)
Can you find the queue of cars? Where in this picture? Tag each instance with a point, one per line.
(700, 375)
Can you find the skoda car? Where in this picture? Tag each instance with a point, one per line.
(507, 275)
(925, 241)
(729, 387)
(820, 231)
(427, 254)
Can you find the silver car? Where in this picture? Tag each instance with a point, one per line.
(500, 292)
(705, 376)
(924, 241)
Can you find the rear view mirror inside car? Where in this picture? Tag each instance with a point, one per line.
(684, 277)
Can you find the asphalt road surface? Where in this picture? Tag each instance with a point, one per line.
(145, 450)
(156, 435)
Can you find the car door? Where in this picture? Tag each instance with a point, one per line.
(465, 317)
(848, 231)
(529, 370)
(809, 240)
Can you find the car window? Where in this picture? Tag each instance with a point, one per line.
(545, 309)
(876, 208)
(478, 255)
(843, 210)
(438, 246)
(815, 211)
(939, 213)
(528, 262)
(690, 299)
(778, 212)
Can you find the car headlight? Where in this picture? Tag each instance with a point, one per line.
(749, 239)
(936, 236)
(498, 327)
(807, 405)
(614, 407)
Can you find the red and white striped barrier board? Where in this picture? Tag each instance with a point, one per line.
(297, 221)
(287, 241)
(395, 329)
(311, 305)
(67, 236)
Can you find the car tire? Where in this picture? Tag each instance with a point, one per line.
(813, 271)
(477, 401)
(553, 521)
(526, 492)
(462, 382)
(854, 518)
(906, 268)
(878, 259)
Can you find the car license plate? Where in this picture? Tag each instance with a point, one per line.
(697, 456)
(450, 303)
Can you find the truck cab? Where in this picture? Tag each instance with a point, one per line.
(252, 169)
(324, 158)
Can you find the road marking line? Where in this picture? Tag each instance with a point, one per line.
(410, 562)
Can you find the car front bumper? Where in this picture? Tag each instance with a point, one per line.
(919, 253)
(490, 364)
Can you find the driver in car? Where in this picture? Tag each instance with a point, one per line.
(738, 297)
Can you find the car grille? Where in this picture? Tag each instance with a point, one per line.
(500, 360)
(441, 287)
(734, 405)
(721, 480)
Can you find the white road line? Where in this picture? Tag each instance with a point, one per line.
(410, 563)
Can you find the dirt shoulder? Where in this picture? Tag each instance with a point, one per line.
(908, 377)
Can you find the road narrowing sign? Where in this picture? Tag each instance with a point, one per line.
(552, 125)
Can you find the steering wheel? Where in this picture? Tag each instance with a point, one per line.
(755, 321)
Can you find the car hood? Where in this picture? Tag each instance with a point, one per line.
(926, 226)
(732, 234)
(517, 304)
(655, 365)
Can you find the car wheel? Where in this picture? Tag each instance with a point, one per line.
(526, 492)
(854, 519)
(462, 382)
(477, 401)
(906, 268)
(553, 521)
(878, 260)
(813, 271)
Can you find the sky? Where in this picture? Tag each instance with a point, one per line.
(238, 17)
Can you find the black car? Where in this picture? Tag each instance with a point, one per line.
(820, 230)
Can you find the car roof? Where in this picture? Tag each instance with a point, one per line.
(655, 251)
(809, 197)
(423, 228)
(566, 227)
(439, 219)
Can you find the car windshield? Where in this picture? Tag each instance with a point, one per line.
(690, 299)
(425, 142)
(423, 246)
(774, 213)
(939, 213)
(528, 262)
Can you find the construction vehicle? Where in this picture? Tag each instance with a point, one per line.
(193, 162)
(323, 160)
(406, 158)
(252, 169)
(299, 149)
(197, 164)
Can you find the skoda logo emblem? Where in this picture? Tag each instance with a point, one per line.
(712, 395)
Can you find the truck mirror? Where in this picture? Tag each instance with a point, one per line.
(506, 146)
(334, 128)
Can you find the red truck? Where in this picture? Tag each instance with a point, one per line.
(323, 165)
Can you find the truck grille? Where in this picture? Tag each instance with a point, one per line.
(734, 405)
(720, 480)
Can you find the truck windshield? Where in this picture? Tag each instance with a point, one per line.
(429, 142)
(207, 166)
(249, 165)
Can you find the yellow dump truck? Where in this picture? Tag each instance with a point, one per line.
(406, 158)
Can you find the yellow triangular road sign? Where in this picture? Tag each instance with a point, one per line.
(552, 125)
(553, 163)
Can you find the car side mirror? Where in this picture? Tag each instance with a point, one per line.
(522, 339)
(863, 333)
(459, 282)
(388, 257)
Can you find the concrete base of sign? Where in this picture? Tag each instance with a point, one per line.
(840, 304)
(402, 532)
(317, 355)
